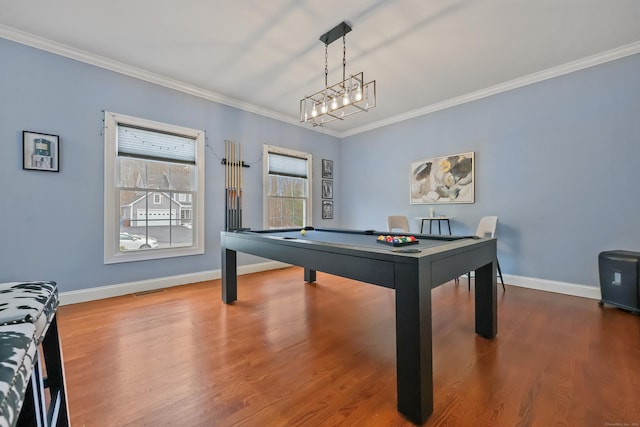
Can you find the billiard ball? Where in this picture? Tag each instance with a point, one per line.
(303, 231)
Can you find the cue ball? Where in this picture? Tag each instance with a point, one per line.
(303, 232)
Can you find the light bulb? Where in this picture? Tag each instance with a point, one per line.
(314, 112)
(345, 99)
(334, 102)
(358, 95)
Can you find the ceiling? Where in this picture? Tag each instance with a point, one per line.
(264, 56)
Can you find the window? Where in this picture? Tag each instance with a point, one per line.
(153, 191)
(287, 188)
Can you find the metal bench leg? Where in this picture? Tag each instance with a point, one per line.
(58, 412)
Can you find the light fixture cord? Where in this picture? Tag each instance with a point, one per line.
(326, 64)
(344, 57)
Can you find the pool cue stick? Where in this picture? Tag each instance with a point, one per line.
(234, 184)
(235, 202)
(226, 184)
(239, 185)
(230, 166)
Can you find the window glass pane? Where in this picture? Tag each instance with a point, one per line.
(275, 223)
(298, 210)
(145, 225)
(275, 207)
(157, 175)
(131, 173)
(299, 187)
(285, 186)
(287, 209)
(137, 173)
(182, 177)
(271, 185)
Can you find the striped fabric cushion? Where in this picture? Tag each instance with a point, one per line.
(17, 353)
(31, 302)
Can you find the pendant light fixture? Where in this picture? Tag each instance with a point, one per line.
(350, 96)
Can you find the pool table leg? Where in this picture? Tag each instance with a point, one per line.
(486, 301)
(309, 275)
(413, 342)
(229, 276)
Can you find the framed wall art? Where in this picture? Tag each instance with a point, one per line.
(446, 179)
(327, 209)
(40, 151)
(327, 169)
(327, 189)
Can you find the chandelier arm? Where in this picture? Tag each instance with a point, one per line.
(335, 117)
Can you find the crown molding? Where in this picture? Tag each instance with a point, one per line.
(141, 74)
(570, 67)
(138, 73)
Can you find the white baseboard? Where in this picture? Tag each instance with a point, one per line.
(564, 288)
(101, 292)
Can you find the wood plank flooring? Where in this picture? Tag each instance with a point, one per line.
(292, 354)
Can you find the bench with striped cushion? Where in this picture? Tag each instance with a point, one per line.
(32, 306)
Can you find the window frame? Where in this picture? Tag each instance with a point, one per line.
(112, 253)
(265, 175)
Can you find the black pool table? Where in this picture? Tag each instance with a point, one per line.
(357, 255)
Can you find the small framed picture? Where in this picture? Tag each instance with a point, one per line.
(327, 169)
(327, 209)
(327, 189)
(40, 151)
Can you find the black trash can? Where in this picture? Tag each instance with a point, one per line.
(619, 273)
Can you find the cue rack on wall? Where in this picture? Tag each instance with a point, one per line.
(233, 185)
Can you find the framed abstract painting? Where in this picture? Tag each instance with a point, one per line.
(446, 179)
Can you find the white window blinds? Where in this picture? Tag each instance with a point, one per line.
(287, 165)
(152, 145)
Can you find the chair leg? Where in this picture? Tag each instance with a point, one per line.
(500, 274)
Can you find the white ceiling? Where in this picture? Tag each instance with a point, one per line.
(264, 56)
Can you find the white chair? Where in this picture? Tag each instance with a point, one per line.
(398, 222)
(487, 228)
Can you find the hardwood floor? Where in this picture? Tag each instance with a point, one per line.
(292, 354)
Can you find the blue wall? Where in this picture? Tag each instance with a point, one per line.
(52, 223)
(556, 161)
